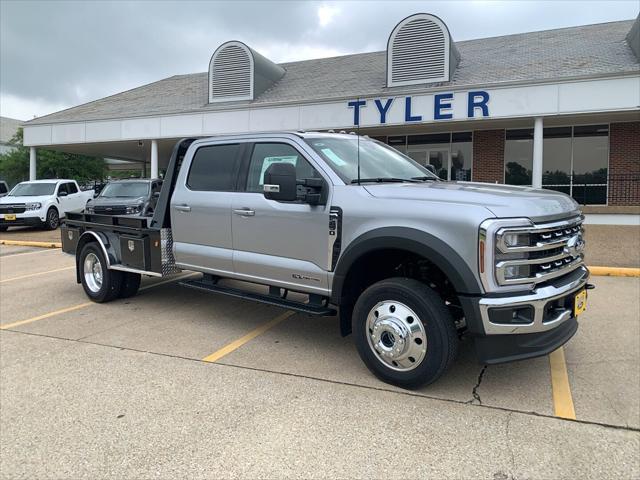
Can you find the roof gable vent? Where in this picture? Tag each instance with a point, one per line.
(236, 72)
(420, 51)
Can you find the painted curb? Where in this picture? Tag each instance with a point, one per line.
(614, 271)
(26, 243)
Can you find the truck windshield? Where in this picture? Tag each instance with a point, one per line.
(378, 162)
(125, 189)
(32, 189)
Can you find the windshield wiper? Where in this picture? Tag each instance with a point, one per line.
(384, 180)
(425, 179)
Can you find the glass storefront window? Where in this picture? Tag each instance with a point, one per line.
(518, 156)
(399, 142)
(575, 160)
(556, 159)
(590, 163)
(432, 149)
(461, 151)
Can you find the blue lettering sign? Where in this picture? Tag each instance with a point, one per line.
(356, 104)
(481, 103)
(407, 112)
(442, 102)
(383, 109)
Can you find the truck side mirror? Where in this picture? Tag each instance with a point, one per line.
(280, 182)
(62, 194)
(431, 168)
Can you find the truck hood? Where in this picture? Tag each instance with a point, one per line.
(110, 201)
(501, 200)
(25, 199)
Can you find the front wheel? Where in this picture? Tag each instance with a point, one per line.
(53, 219)
(404, 332)
(99, 283)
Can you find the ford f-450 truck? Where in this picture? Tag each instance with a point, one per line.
(408, 262)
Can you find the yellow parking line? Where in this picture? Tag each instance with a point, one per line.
(562, 399)
(35, 274)
(45, 250)
(29, 243)
(79, 306)
(46, 315)
(227, 349)
(614, 271)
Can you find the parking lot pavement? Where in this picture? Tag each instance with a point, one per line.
(120, 390)
(31, 234)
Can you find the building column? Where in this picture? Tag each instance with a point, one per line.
(154, 159)
(536, 172)
(32, 163)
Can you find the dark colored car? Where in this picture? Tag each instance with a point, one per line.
(127, 197)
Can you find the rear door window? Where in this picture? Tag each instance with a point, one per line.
(214, 168)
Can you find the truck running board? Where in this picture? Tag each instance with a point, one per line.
(312, 308)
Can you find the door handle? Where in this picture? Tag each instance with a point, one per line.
(244, 212)
(183, 208)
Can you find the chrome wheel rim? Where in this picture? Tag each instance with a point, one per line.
(396, 336)
(93, 272)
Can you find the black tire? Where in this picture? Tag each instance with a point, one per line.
(53, 219)
(111, 283)
(438, 329)
(130, 284)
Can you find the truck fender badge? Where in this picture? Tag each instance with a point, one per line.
(70, 235)
(131, 245)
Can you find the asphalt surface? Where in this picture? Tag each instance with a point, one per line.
(121, 390)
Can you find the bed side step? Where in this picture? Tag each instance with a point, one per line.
(313, 308)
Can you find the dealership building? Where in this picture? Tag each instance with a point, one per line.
(558, 109)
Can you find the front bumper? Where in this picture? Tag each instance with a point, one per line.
(29, 218)
(546, 323)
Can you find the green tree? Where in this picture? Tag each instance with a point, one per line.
(14, 165)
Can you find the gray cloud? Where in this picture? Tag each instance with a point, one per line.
(66, 53)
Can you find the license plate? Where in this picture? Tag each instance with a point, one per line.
(580, 302)
(9, 217)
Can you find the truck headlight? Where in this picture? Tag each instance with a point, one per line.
(516, 271)
(516, 239)
(33, 206)
(134, 209)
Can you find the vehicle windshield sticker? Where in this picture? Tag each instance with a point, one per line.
(268, 161)
(330, 154)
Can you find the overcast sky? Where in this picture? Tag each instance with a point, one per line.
(57, 54)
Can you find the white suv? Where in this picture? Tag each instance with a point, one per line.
(41, 203)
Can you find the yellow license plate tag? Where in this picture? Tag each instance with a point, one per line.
(580, 302)
(9, 217)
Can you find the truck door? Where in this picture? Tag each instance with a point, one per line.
(279, 243)
(63, 197)
(201, 208)
(75, 199)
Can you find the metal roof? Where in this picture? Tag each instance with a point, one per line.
(551, 55)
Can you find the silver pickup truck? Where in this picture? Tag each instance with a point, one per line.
(409, 263)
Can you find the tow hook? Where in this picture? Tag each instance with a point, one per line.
(589, 286)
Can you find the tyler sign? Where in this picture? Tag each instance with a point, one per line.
(440, 106)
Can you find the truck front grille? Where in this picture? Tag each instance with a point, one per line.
(536, 254)
(111, 210)
(12, 208)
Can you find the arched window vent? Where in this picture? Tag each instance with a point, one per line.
(237, 72)
(420, 51)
